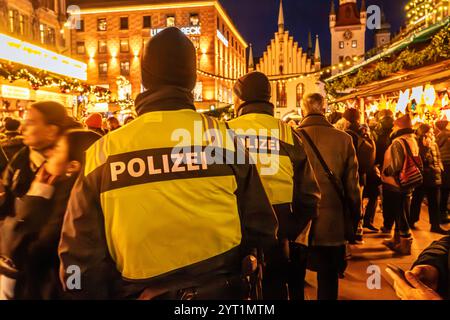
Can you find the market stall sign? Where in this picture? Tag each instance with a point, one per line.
(188, 31)
(15, 50)
(13, 92)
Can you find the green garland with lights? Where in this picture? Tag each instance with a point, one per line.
(38, 79)
(438, 49)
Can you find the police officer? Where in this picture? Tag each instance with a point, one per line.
(158, 212)
(286, 175)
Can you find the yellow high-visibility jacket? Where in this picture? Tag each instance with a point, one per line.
(151, 204)
(283, 166)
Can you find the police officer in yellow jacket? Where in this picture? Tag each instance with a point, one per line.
(286, 175)
(162, 209)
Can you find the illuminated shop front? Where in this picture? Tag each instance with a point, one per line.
(113, 34)
(31, 73)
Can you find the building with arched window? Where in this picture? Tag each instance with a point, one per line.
(285, 60)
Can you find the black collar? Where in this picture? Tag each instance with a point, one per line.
(262, 107)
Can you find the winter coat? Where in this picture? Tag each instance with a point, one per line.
(12, 143)
(394, 159)
(432, 164)
(31, 237)
(443, 142)
(336, 147)
(438, 256)
(365, 152)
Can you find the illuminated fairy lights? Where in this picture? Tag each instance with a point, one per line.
(15, 50)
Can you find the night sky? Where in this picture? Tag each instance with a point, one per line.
(257, 20)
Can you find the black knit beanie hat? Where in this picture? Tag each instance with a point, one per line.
(169, 60)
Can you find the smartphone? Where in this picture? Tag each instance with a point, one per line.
(398, 271)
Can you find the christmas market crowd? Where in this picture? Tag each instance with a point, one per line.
(99, 208)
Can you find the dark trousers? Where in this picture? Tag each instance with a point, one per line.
(388, 208)
(396, 209)
(297, 271)
(372, 194)
(275, 275)
(432, 194)
(327, 262)
(445, 192)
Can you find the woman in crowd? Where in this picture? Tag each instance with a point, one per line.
(432, 180)
(29, 257)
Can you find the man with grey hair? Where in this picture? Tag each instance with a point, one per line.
(334, 162)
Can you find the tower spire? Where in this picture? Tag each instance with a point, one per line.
(310, 46)
(281, 18)
(333, 8)
(317, 50)
(363, 6)
(251, 62)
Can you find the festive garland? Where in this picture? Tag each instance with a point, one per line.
(438, 49)
(38, 79)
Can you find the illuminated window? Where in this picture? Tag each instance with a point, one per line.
(42, 33)
(170, 21)
(354, 43)
(103, 68)
(281, 95)
(299, 93)
(123, 23)
(102, 46)
(125, 68)
(22, 24)
(124, 45)
(101, 24)
(81, 48)
(51, 36)
(196, 42)
(194, 19)
(341, 45)
(198, 91)
(11, 20)
(147, 22)
(80, 26)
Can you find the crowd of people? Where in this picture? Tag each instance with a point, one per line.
(95, 210)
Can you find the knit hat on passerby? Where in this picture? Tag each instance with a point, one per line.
(404, 122)
(442, 124)
(12, 124)
(352, 115)
(169, 60)
(54, 113)
(253, 87)
(94, 120)
(386, 113)
(423, 129)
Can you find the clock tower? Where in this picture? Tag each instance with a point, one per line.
(348, 32)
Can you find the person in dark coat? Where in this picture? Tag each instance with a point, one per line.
(330, 230)
(31, 237)
(12, 141)
(429, 278)
(396, 198)
(443, 142)
(365, 152)
(381, 134)
(44, 123)
(432, 168)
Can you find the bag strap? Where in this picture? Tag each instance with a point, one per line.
(408, 150)
(330, 174)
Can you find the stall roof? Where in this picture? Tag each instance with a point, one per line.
(436, 73)
(414, 38)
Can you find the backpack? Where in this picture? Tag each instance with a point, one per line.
(365, 152)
